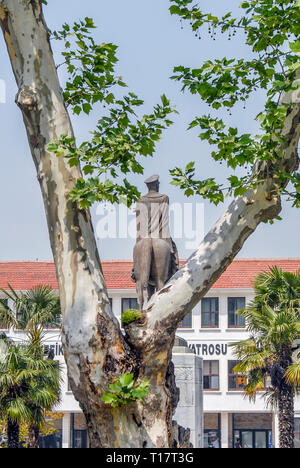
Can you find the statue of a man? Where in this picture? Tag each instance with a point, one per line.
(155, 254)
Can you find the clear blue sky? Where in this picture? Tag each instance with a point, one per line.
(151, 43)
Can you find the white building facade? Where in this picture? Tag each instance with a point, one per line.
(209, 330)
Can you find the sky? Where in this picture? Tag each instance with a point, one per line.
(151, 42)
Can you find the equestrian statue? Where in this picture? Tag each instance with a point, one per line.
(155, 256)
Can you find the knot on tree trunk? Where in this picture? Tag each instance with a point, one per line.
(27, 99)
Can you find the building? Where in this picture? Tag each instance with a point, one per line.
(210, 329)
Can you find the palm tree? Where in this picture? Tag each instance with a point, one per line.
(34, 312)
(45, 393)
(20, 388)
(273, 320)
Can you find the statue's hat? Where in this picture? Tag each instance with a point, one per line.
(151, 179)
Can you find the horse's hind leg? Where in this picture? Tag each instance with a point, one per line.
(162, 259)
(142, 259)
(142, 293)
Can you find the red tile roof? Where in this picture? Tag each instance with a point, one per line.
(240, 274)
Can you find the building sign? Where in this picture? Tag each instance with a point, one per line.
(56, 349)
(205, 349)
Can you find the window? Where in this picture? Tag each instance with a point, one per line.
(211, 375)
(79, 436)
(53, 440)
(187, 322)
(235, 320)
(212, 430)
(2, 306)
(210, 312)
(129, 303)
(254, 430)
(235, 381)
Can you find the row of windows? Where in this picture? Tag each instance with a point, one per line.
(211, 376)
(209, 312)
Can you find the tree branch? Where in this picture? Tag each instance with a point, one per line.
(170, 305)
(85, 305)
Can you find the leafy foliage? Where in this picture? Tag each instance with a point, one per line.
(272, 30)
(125, 391)
(273, 321)
(33, 311)
(26, 384)
(120, 135)
(130, 315)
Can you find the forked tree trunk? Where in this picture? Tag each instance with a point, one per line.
(96, 352)
(13, 435)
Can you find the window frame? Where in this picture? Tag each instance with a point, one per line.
(187, 327)
(128, 299)
(237, 387)
(210, 375)
(234, 313)
(211, 312)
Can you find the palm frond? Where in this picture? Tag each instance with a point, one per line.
(292, 374)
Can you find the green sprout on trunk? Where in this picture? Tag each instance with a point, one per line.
(125, 390)
(130, 315)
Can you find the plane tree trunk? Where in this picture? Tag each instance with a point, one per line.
(95, 349)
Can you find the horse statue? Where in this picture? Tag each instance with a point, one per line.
(155, 256)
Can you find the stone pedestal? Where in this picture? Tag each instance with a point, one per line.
(188, 372)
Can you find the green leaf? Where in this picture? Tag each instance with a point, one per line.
(126, 379)
(295, 46)
(110, 98)
(52, 147)
(175, 10)
(165, 101)
(77, 110)
(86, 107)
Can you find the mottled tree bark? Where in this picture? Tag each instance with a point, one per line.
(286, 404)
(96, 351)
